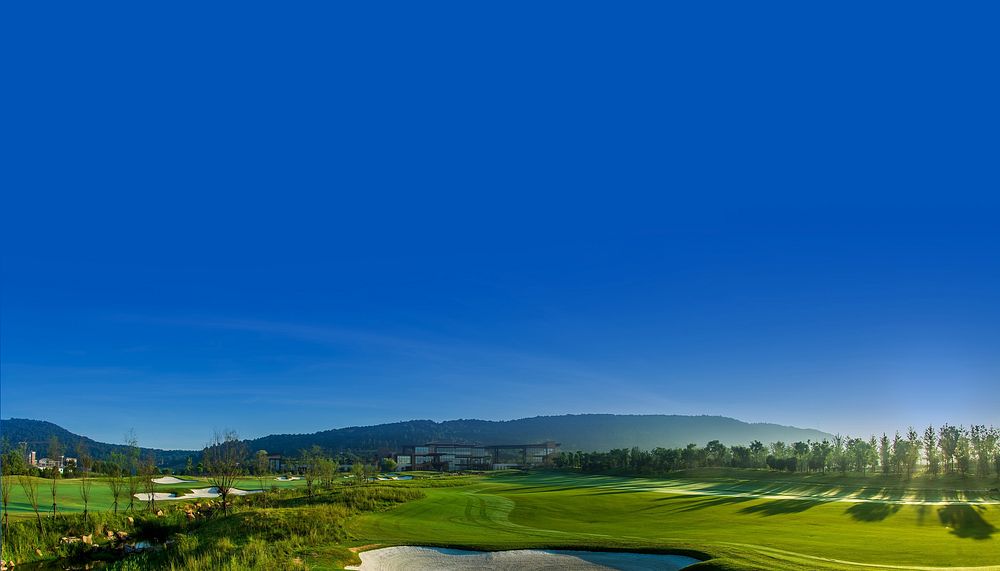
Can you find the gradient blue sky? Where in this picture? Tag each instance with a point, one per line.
(288, 219)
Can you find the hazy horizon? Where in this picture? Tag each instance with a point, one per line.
(163, 440)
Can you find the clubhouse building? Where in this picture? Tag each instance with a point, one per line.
(450, 457)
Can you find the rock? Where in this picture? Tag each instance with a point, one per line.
(38, 552)
(110, 534)
(122, 536)
(130, 520)
(190, 515)
(88, 539)
(69, 539)
(159, 513)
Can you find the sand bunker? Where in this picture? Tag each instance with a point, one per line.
(432, 558)
(172, 480)
(287, 479)
(193, 494)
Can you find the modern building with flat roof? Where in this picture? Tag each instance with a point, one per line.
(453, 457)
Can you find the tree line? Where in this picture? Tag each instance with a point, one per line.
(945, 450)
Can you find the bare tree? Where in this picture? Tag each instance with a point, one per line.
(117, 476)
(262, 467)
(30, 486)
(55, 455)
(147, 469)
(84, 463)
(223, 459)
(133, 478)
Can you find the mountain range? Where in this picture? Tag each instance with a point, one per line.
(586, 432)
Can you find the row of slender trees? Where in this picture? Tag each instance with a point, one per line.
(127, 472)
(946, 450)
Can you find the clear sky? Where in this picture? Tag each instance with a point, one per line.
(289, 219)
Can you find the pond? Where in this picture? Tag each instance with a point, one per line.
(412, 558)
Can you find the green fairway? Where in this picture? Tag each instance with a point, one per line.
(773, 522)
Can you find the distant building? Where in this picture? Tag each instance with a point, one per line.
(274, 462)
(58, 463)
(452, 457)
(46, 463)
(32, 460)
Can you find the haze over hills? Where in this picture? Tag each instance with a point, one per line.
(585, 432)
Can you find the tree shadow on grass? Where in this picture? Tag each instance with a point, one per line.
(966, 521)
(871, 511)
(781, 507)
(712, 502)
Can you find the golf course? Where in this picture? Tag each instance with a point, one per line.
(725, 518)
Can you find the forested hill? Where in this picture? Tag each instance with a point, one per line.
(36, 433)
(586, 432)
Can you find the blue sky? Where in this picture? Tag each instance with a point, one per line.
(288, 221)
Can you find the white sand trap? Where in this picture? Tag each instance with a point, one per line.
(172, 480)
(432, 558)
(286, 479)
(194, 494)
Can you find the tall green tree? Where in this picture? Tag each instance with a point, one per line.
(758, 453)
(801, 450)
(912, 453)
(983, 441)
(931, 454)
(838, 453)
(359, 472)
(11, 465)
(313, 459)
(948, 443)
(885, 454)
(963, 452)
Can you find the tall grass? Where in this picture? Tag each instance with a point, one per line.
(24, 536)
(255, 537)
